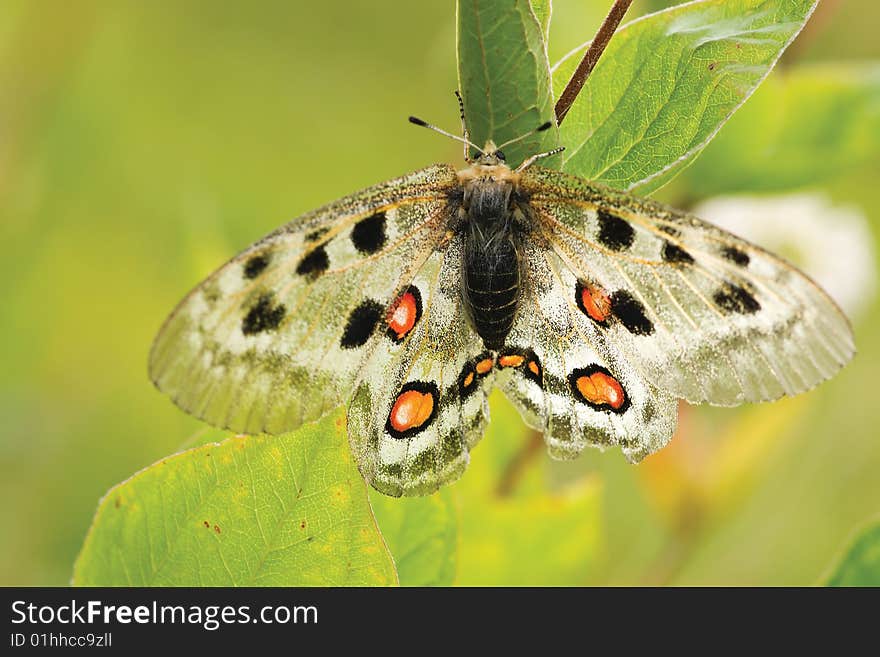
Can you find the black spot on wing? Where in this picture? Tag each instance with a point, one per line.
(670, 230)
(361, 324)
(255, 265)
(316, 234)
(263, 316)
(368, 235)
(314, 263)
(736, 256)
(736, 299)
(615, 233)
(675, 254)
(631, 313)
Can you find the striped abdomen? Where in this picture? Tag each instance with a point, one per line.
(491, 285)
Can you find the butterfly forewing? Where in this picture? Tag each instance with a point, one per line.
(702, 314)
(274, 337)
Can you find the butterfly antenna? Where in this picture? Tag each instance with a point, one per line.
(540, 128)
(533, 158)
(464, 128)
(464, 140)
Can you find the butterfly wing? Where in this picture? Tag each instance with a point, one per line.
(700, 313)
(570, 383)
(420, 406)
(275, 337)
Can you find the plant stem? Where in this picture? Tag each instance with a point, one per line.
(814, 27)
(516, 467)
(588, 63)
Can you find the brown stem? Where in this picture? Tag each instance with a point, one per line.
(588, 63)
(517, 465)
(814, 27)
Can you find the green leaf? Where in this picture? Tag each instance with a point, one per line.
(860, 565)
(504, 76)
(285, 510)
(802, 127)
(667, 83)
(422, 534)
(542, 10)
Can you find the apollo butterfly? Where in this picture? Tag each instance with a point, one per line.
(593, 310)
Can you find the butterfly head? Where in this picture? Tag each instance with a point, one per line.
(490, 156)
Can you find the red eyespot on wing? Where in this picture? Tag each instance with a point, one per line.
(404, 314)
(413, 409)
(597, 387)
(484, 365)
(511, 360)
(593, 302)
(525, 361)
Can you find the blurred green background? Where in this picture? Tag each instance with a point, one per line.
(142, 144)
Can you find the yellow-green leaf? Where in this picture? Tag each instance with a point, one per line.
(422, 534)
(803, 126)
(286, 510)
(666, 84)
(860, 565)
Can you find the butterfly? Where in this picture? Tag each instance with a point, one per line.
(593, 310)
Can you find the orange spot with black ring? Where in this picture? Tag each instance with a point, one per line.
(593, 301)
(404, 314)
(598, 388)
(511, 360)
(484, 365)
(413, 409)
(533, 369)
(524, 360)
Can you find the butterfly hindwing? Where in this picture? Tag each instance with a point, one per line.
(418, 409)
(702, 314)
(572, 384)
(274, 337)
